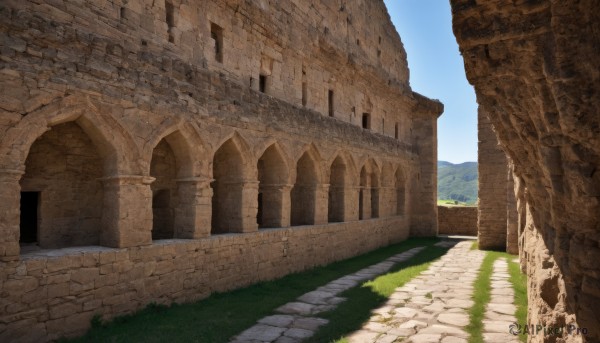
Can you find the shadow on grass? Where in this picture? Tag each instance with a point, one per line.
(352, 314)
(223, 315)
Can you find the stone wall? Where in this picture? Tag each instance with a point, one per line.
(535, 72)
(457, 220)
(202, 121)
(56, 293)
(493, 171)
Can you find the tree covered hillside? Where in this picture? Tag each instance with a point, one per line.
(457, 181)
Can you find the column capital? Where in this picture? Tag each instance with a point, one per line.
(199, 181)
(11, 174)
(128, 179)
(277, 186)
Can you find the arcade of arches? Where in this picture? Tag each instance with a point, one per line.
(65, 164)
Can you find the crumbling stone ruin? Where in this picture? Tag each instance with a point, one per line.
(534, 65)
(159, 151)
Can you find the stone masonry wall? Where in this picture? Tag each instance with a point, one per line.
(56, 293)
(166, 96)
(535, 69)
(459, 220)
(493, 171)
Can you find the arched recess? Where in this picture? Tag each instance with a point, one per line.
(61, 195)
(228, 186)
(369, 201)
(163, 168)
(387, 193)
(64, 150)
(170, 164)
(304, 192)
(338, 180)
(273, 176)
(400, 184)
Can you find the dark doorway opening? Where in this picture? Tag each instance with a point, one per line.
(29, 217)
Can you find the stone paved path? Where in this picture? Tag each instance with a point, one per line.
(500, 312)
(430, 308)
(296, 320)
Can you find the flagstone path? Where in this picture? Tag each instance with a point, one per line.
(431, 308)
(297, 320)
(500, 312)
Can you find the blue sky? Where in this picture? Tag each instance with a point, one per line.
(437, 71)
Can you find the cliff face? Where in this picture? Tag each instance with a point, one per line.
(536, 71)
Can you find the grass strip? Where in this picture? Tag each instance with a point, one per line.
(482, 294)
(481, 297)
(223, 315)
(350, 315)
(519, 282)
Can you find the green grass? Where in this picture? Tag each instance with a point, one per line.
(519, 282)
(224, 315)
(481, 297)
(482, 294)
(350, 315)
(442, 202)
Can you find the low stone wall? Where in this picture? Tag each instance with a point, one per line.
(457, 220)
(54, 293)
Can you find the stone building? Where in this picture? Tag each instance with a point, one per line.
(159, 151)
(534, 65)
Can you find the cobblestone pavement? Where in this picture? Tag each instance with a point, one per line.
(432, 307)
(500, 312)
(297, 320)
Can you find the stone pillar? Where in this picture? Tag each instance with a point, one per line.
(375, 202)
(279, 215)
(127, 211)
(512, 215)
(366, 203)
(10, 193)
(337, 196)
(321, 203)
(194, 210)
(423, 190)
(493, 172)
(249, 208)
(351, 203)
(387, 204)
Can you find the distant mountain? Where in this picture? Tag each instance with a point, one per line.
(457, 181)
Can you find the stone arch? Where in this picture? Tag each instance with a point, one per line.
(188, 148)
(230, 177)
(400, 190)
(304, 192)
(273, 178)
(98, 134)
(349, 160)
(60, 187)
(387, 192)
(116, 147)
(369, 190)
(341, 182)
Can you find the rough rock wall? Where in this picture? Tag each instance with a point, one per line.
(536, 73)
(458, 220)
